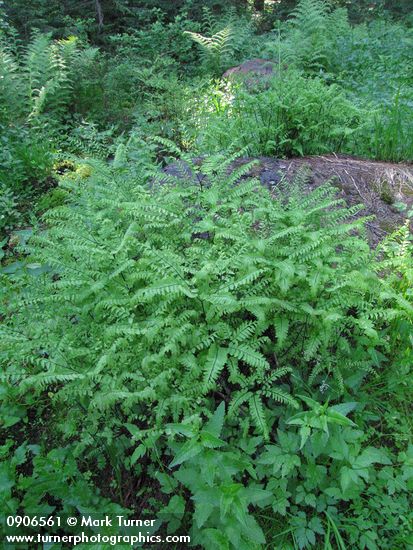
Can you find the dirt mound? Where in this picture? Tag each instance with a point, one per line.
(385, 189)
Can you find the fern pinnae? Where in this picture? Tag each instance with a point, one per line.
(216, 361)
(239, 398)
(248, 355)
(245, 331)
(258, 416)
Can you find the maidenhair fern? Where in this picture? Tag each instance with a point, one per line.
(160, 297)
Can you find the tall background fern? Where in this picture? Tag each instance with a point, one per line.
(309, 39)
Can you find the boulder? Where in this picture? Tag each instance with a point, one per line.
(257, 68)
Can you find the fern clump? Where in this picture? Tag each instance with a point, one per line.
(37, 89)
(223, 40)
(214, 49)
(158, 298)
(38, 81)
(290, 115)
(313, 32)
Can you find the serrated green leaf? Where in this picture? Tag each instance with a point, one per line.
(209, 440)
(215, 423)
(345, 408)
(137, 454)
(190, 449)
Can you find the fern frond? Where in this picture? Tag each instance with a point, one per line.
(239, 398)
(248, 355)
(258, 415)
(215, 48)
(216, 360)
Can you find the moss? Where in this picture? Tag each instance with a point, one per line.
(386, 193)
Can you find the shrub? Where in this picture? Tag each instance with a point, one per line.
(232, 360)
(309, 39)
(149, 275)
(56, 474)
(8, 208)
(390, 136)
(157, 40)
(25, 166)
(148, 97)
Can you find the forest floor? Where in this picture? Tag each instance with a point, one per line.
(385, 189)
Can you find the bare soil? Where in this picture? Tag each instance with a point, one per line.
(382, 187)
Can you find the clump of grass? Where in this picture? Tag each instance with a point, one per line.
(392, 137)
